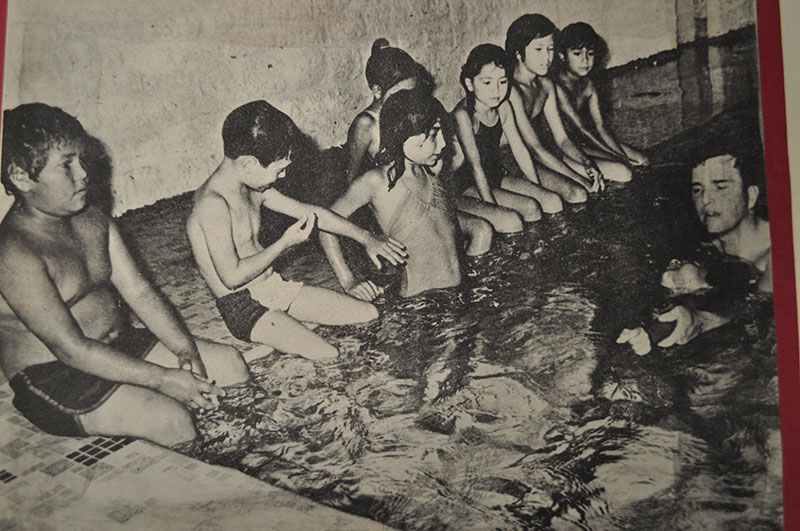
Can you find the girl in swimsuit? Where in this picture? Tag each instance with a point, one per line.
(409, 201)
(388, 70)
(530, 42)
(482, 118)
(579, 49)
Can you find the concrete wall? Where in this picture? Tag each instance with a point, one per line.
(154, 80)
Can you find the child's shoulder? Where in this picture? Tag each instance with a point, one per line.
(364, 119)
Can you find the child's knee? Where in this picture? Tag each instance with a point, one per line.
(509, 222)
(552, 203)
(480, 238)
(173, 427)
(619, 173)
(367, 312)
(577, 195)
(531, 211)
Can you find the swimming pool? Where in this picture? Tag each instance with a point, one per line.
(505, 403)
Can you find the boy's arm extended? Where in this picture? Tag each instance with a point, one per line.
(214, 218)
(689, 323)
(359, 137)
(375, 246)
(357, 195)
(466, 137)
(28, 288)
(568, 109)
(599, 123)
(532, 140)
(520, 152)
(150, 307)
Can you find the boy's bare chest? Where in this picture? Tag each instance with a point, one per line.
(245, 223)
(77, 261)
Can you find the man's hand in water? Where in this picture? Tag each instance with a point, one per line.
(300, 230)
(366, 291)
(687, 326)
(389, 248)
(638, 338)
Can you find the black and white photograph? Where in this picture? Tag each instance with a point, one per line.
(420, 264)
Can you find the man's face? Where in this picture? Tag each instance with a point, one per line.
(60, 188)
(719, 196)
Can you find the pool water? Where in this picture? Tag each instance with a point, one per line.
(506, 403)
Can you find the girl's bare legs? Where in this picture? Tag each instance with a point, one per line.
(524, 205)
(569, 190)
(504, 220)
(549, 200)
(478, 232)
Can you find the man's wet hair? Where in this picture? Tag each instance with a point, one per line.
(749, 162)
(260, 130)
(480, 56)
(405, 114)
(523, 30)
(387, 66)
(30, 131)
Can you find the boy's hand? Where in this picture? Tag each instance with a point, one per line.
(638, 161)
(638, 339)
(389, 248)
(594, 173)
(185, 387)
(300, 230)
(192, 362)
(365, 291)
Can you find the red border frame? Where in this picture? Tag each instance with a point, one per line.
(780, 214)
(780, 218)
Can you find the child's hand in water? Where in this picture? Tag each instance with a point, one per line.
(365, 291)
(389, 248)
(300, 230)
(594, 173)
(641, 160)
(638, 339)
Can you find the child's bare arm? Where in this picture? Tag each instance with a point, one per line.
(359, 137)
(521, 154)
(234, 271)
(375, 246)
(605, 133)
(466, 137)
(532, 140)
(357, 195)
(568, 109)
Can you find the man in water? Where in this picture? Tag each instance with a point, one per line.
(76, 365)
(724, 195)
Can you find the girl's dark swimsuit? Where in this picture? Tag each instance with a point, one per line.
(488, 141)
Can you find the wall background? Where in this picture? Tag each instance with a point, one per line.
(154, 80)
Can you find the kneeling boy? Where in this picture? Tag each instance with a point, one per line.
(255, 302)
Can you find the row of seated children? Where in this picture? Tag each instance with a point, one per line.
(407, 162)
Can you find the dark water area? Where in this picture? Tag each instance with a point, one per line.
(505, 403)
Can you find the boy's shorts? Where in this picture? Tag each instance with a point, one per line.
(53, 395)
(242, 309)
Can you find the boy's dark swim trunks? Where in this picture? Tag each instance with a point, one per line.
(53, 395)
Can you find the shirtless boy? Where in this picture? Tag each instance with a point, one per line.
(255, 302)
(724, 194)
(76, 365)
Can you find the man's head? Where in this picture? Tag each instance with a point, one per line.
(41, 165)
(260, 137)
(530, 42)
(723, 192)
